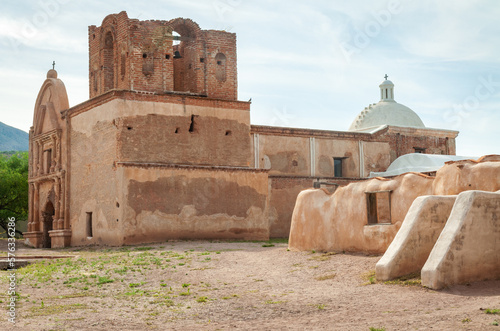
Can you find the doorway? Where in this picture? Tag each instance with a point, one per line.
(47, 221)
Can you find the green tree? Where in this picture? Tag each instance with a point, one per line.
(13, 188)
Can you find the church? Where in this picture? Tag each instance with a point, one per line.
(163, 149)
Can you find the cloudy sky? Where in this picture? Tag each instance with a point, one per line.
(313, 64)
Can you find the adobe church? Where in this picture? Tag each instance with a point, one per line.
(163, 149)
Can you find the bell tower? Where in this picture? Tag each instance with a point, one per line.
(161, 56)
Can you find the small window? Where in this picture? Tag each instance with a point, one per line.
(167, 56)
(338, 166)
(89, 225)
(419, 150)
(192, 126)
(378, 206)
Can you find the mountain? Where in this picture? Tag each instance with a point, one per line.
(12, 139)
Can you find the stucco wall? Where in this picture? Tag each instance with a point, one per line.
(284, 155)
(468, 248)
(173, 202)
(93, 180)
(175, 132)
(340, 221)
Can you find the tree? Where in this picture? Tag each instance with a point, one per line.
(13, 188)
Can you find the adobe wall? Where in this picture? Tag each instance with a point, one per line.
(304, 152)
(187, 202)
(339, 222)
(93, 181)
(468, 248)
(283, 194)
(173, 128)
(459, 176)
(405, 140)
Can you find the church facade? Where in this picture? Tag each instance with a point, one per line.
(163, 149)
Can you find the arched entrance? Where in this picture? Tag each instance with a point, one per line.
(47, 219)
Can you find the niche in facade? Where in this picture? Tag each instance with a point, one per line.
(220, 69)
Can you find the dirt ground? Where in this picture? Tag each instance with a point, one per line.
(203, 285)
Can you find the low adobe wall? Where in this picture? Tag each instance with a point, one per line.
(192, 202)
(468, 248)
(284, 191)
(339, 221)
(414, 241)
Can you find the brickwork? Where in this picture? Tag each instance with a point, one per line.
(140, 55)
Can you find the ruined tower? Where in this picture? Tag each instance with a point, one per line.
(161, 56)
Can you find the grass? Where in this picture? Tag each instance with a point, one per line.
(412, 279)
(377, 329)
(325, 277)
(491, 311)
(369, 277)
(45, 310)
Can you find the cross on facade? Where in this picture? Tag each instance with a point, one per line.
(386, 76)
(53, 64)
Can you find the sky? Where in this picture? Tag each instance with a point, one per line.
(309, 64)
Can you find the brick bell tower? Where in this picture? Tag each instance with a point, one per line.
(161, 56)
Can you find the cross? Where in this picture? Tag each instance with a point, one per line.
(386, 76)
(53, 64)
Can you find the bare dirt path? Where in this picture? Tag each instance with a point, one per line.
(202, 285)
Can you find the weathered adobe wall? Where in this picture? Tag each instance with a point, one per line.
(339, 222)
(404, 141)
(419, 232)
(284, 192)
(182, 130)
(93, 180)
(376, 157)
(459, 176)
(173, 202)
(468, 248)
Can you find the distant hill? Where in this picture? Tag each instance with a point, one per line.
(12, 139)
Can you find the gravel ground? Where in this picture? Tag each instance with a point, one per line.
(203, 285)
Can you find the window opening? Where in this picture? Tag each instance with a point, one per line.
(378, 206)
(89, 225)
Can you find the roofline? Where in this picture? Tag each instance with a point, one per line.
(167, 96)
(302, 132)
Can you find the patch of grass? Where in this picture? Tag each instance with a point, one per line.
(325, 277)
(56, 309)
(202, 299)
(321, 306)
(377, 329)
(268, 245)
(412, 279)
(369, 277)
(104, 280)
(466, 320)
(491, 311)
(136, 284)
(144, 248)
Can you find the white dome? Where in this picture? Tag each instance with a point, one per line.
(386, 112)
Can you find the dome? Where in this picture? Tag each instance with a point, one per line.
(386, 112)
